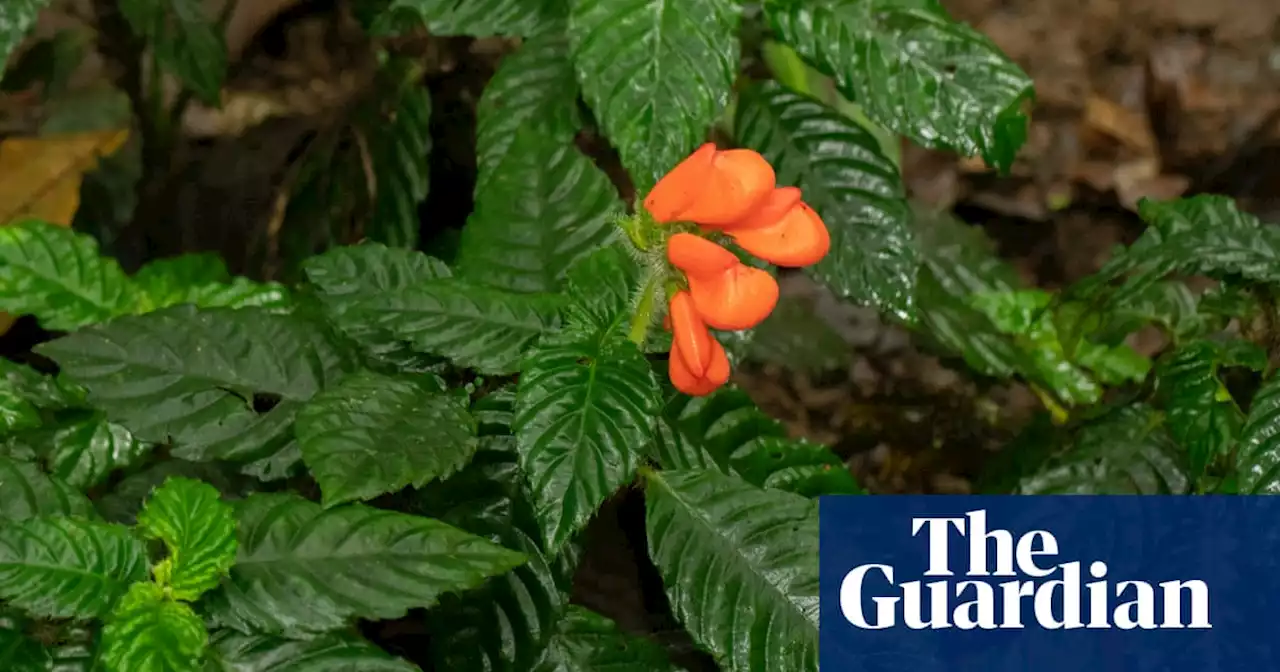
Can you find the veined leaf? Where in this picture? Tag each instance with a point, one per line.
(914, 70)
(16, 18)
(29, 493)
(852, 185)
(346, 274)
(43, 391)
(603, 287)
(764, 543)
(59, 567)
(587, 641)
(725, 431)
(535, 86)
(400, 144)
(125, 500)
(1202, 417)
(57, 275)
(202, 280)
(375, 434)
(542, 207)
(231, 651)
(186, 40)
(656, 74)
(148, 632)
(189, 376)
(584, 407)
(304, 569)
(83, 449)
(479, 18)
(16, 413)
(1258, 458)
(197, 528)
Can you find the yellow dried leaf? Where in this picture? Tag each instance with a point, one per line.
(40, 178)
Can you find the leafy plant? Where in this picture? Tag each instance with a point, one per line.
(204, 471)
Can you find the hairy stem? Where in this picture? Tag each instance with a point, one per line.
(643, 316)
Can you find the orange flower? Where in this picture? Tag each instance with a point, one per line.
(784, 231)
(689, 335)
(728, 294)
(712, 187)
(683, 379)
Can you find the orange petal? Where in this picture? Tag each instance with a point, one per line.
(718, 370)
(681, 186)
(799, 238)
(685, 381)
(690, 336)
(696, 255)
(739, 298)
(739, 180)
(770, 211)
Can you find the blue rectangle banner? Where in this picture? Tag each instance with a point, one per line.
(1049, 584)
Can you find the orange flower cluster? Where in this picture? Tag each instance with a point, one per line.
(733, 192)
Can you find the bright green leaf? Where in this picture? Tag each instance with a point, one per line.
(59, 567)
(584, 408)
(306, 569)
(656, 73)
(764, 543)
(199, 531)
(202, 280)
(914, 70)
(478, 18)
(186, 40)
(375, 434)
(29, 492)
(57, 275)
(231, 651)
(190, 376)
(587, 642)
(852, 185)
(148, 632)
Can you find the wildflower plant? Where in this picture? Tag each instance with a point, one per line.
(206, 472)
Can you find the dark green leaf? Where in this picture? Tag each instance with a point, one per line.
(914, 70)
(43, 391)
(587, 642)
(478, 18)
(57, 275)
(202, 280)
(148, 632)
(603, 288)
(1258, 459)
(1202, 416)
(29, 492)
(124, 502)
(304, 569)
(656, 74)
(16, 413)
(189, 376)
(230, 651)
(20, 653)
(400, 147)
(85, 448)
(764, 543)
(375, 434)
(16, 18)
(186, 41)
(584, 408)
(59, 567)
(543, 206)
(199, 531)
(853, 186)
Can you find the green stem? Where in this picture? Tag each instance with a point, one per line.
(643, 316)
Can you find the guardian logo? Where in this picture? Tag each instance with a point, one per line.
(1011, 582)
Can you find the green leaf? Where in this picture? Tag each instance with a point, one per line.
(852, 185)
(57, 275)
(477, 18)
(59, 567)
(725, 431)
(29, 493)
(544, 206)
(914, 70)
(1202, 417)
(19, 653)
(344, 275)
(231, 651)
(16, 413)
(202, 280)
(584, 407)
(656, 73)
(43, 391)
(189, 376)
(1258, 458)
(304, 569)
(84, 448)
(587, 641)
(400, 148)
(125, 501)
(186, 42)
(1124, 452)
(603, 288)
(16, 18)
(533, 87)
(198, 529)
(148, 632)
(375, 434)
(763, 543)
